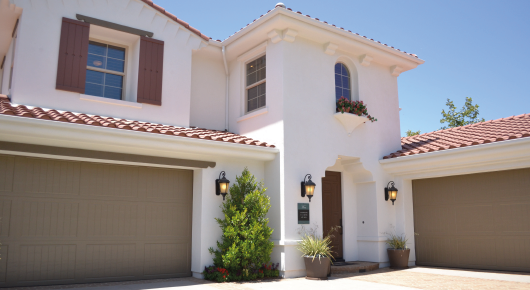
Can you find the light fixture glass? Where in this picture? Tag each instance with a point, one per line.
(391, 192)
(308, 187)
(222, 185)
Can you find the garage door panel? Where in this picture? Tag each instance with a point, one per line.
(44, 176)
(441, 255)
(111, 260)
(167, 219)
(5, 216)
(442, 192)
(109, 180)
(46, 262)
(513, 217)
(160, 258)
(474, 219)
(78, 222)
(42, 218)
(7, 170)
(513, 253)
(112, 219)
(484, 224)
(437, 219)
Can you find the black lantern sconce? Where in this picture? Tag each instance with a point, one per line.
(221, 185)
(308, 187)
(391, 192)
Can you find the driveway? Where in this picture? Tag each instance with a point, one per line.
(414, 278)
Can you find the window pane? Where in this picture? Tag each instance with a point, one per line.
(261, 75)
(96, 61)
(347, 94)
(97, 48)
(252, 93)
(115, 65)
(261, 89)
(251, 67)
(94, 77)
(252, 104)
(93, 90)
(113, 80)
(338, 93)
(116, 52)
(261, 101)
(260, 62)
(251, 78)
(338, 68)
(345, 82)
(112, 93)
(338, 81)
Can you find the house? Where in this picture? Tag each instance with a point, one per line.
(106, 172)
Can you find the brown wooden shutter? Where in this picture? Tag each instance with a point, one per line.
(150, 71)
(73, 50)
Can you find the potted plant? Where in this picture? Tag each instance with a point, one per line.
(353, 107)
(316, 251)
(398, 253)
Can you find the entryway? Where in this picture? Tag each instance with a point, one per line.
(332, 210)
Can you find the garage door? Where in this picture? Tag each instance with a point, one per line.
(82, 222)
(479, 221)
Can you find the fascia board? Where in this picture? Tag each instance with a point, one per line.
(505, 155)
(317, 31)
(61, 134)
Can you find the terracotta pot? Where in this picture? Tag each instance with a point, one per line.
(317, 269)
(399, 259)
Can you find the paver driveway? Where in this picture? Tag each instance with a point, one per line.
(415, 278)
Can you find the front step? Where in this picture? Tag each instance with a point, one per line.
(353, 267)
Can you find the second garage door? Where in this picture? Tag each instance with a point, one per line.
(81, 222)
(479, 221)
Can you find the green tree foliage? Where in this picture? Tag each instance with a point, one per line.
(413, 133)
(467, 115)
(245, 244)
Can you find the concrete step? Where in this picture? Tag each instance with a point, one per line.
(353, 267)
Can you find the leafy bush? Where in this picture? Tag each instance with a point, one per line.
(244, 250)
(313, 245)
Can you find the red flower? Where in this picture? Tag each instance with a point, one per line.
(224, 276)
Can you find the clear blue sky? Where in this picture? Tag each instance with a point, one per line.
(478, 49)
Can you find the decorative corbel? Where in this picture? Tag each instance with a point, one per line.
(396, 70)
(365, 60)
(289, 34)
(329, 48)
(275, 35)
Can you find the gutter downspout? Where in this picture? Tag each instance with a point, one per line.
(226, 90)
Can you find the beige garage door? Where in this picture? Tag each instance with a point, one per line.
(82, 222)
(479, 221)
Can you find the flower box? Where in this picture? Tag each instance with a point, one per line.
(350, 121)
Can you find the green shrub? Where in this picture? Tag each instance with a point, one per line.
(245, 247)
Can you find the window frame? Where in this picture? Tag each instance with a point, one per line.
(350, 97)
(125, 62)
(248, 87)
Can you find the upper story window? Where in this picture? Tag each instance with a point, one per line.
(105, 70)
(342, 81)
(256, 77)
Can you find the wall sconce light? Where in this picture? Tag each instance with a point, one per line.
(391, 192)
(221, 185)
(308, 187)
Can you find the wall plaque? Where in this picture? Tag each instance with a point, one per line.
(303, 213)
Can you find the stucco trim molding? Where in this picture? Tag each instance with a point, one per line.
(350, 121)
(71, 135)
(110, 101)
(365, 60)
(504, 155)
(253, 114)
(277, 35)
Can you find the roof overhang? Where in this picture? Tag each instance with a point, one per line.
(71, 135)
(504, 155)
(281, 19)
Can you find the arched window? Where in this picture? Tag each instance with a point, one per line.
(342, 81)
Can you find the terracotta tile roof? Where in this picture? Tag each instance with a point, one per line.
(480, 133)
(8, 108)
(174, 18)
(339, 28)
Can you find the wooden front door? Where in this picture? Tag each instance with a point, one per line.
(332, 209)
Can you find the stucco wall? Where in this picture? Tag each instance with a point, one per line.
(37, 54)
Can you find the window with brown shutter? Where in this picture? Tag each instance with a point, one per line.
(73, 50)
(150, 71)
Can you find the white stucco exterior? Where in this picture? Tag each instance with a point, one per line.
(298, 118)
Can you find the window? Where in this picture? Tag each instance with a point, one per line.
(342, 82)
(105, 70)
(256, 73)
